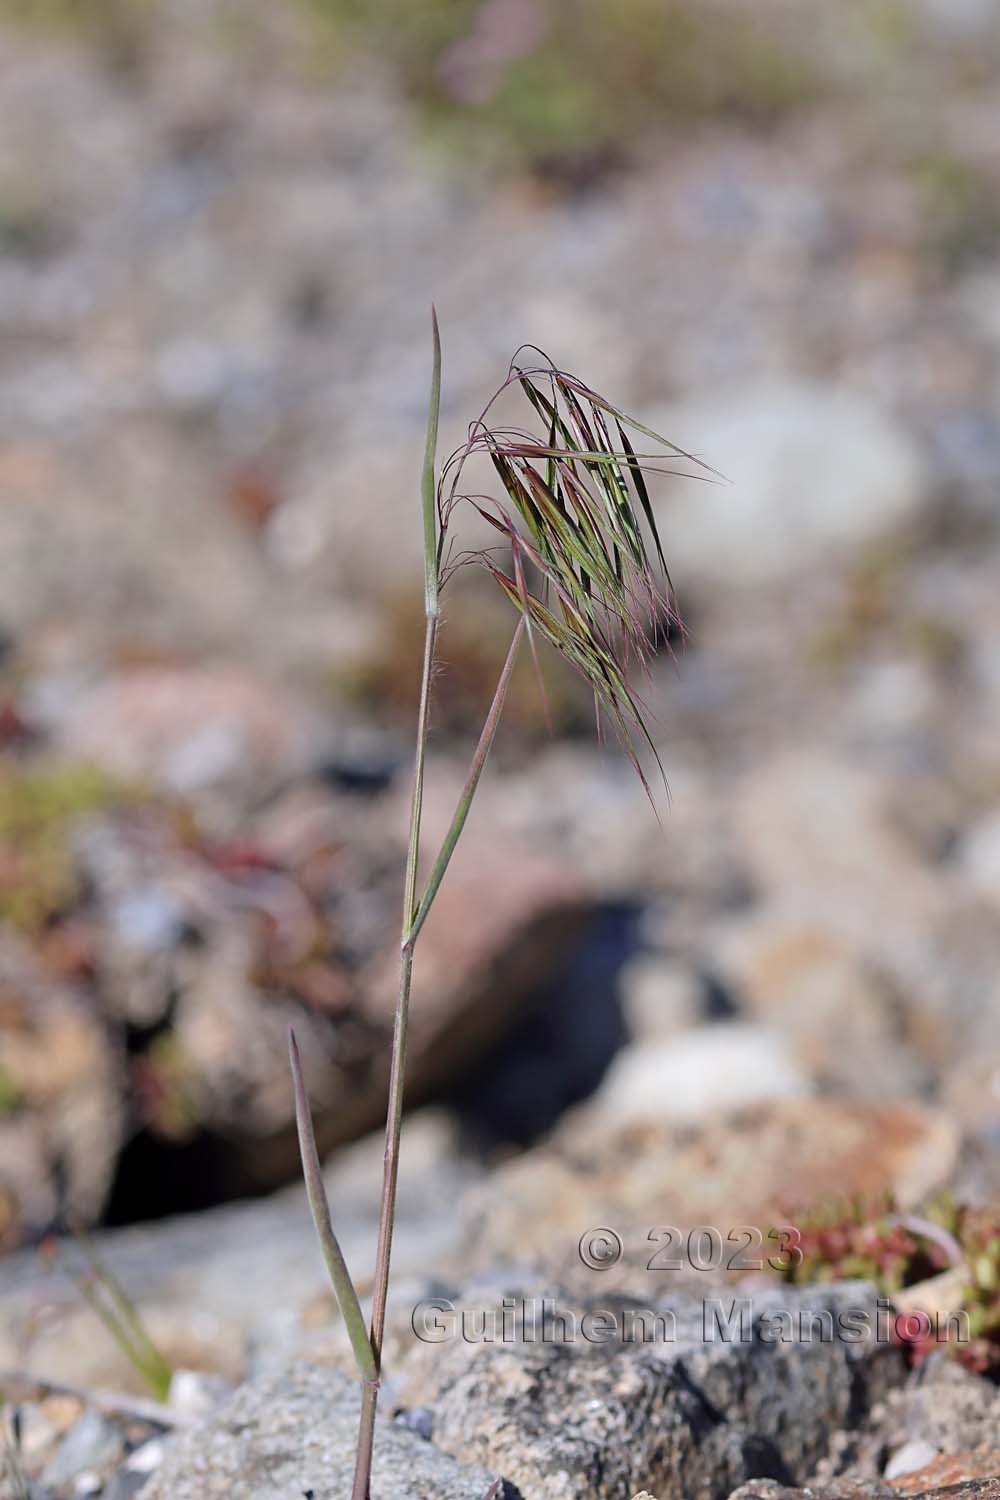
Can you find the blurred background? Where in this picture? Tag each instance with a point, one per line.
(768, 229)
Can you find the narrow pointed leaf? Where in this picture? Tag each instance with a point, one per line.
(336, 1265)
(483, 748)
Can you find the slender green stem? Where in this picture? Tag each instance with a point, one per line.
(397, 1071)
(366, 1441)
(394, 1121)
(428, 483)
(336, 1265)
(469, 790)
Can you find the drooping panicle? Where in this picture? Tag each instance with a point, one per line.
(587, 567)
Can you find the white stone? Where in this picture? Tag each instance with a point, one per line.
(660, 997)
(700, 1075)
(148, 1458)
(914, 1455)
(193, 1393)
(979, 857)
(191, 372)
(813, 473)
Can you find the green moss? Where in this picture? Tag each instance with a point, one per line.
(28, 228)
(39, 808)
(166, 1088)
(936, 641)
(117, 29)
(10, 1097)
(91, 17)
(599, 76)
(875, 612)
(960, 210)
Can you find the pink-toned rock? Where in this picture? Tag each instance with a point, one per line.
(823, 845)
(505, 917)
(837, 1008)
(193, 728)
(952, 1469)
(972, 1092)
(760, 1167)
(768, 1489)
(934, 1482)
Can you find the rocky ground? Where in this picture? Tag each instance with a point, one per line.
(476, 1386)
(779, 1008)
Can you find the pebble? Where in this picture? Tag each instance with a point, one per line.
(195, 1394)
(979, 857)
(700, 1074)
(93, 1443)
(660, 997)
(915, 1454)
(796, 495)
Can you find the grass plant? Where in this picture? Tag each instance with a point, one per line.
(108, 1299)
(580, 560)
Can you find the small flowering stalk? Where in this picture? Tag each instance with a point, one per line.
(580, 560)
